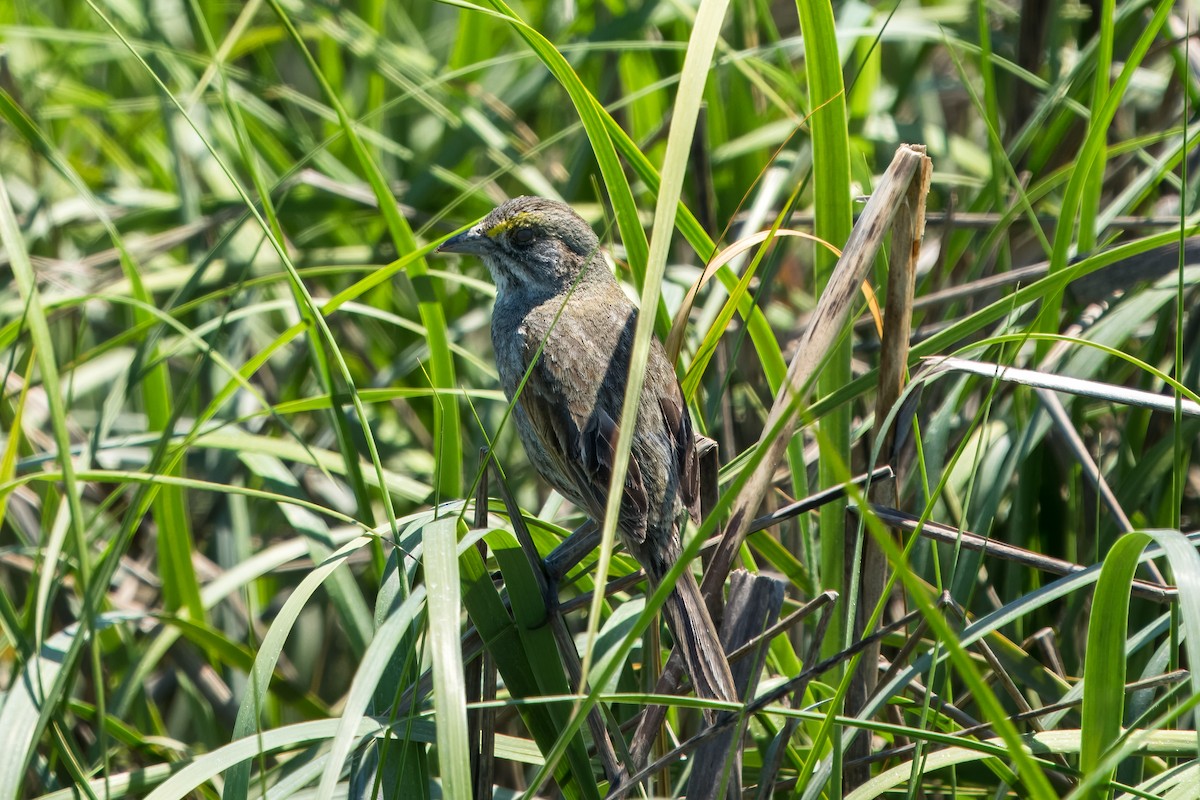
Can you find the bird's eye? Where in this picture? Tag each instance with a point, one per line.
(523, 236)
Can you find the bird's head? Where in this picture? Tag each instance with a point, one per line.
(532, 244)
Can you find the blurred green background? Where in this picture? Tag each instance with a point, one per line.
(215, 297)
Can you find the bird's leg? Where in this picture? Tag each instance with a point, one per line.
(582, 541)
(563, 558)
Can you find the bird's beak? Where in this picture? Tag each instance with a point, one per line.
(470, 242)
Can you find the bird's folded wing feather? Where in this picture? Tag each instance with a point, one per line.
(581, 441)
(683, 443)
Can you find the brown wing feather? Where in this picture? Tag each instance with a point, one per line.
(578, 451)
(595, 446)
(679, 425)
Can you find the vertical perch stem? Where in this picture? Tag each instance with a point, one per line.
(908, 226)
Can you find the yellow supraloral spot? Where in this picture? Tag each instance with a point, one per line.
(515, 221)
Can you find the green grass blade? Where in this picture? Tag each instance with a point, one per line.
(449, 688)
(1104, 668)
(832, 222)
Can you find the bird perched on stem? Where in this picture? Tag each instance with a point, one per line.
(560, 309)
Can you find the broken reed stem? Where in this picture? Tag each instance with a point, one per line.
(908, 227)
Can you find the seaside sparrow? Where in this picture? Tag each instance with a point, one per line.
(555, 292)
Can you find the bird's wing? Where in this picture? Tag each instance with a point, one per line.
(595, 447)
(579, 442)
(683, 445)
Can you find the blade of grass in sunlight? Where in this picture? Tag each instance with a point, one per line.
(831, 223)
(225, 356)
(449, 692)
(1104, 669)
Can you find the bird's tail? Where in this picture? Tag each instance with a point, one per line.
(696, 637)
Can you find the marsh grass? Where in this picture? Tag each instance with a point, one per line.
(241, 548)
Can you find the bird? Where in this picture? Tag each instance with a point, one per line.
(561, 316)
